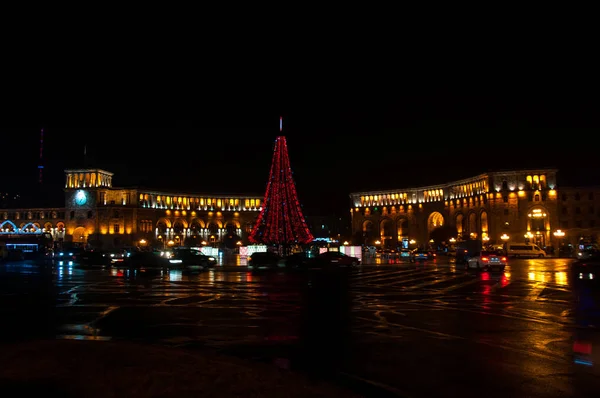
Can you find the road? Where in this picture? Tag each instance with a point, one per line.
(417, 330)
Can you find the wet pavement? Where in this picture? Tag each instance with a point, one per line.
(412, 330)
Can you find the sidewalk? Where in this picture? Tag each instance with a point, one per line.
(120, 369)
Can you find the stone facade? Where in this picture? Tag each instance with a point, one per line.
(579, 213)
(99, 214)
(517, 205)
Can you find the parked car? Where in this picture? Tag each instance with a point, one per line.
(487, 260)
(297, 260)
(421, 255)
(191, 258)
(586, 269)
(118, 255)
(265, 261)
(405, 253)
(146, 260)
(335, 258)
(94, 258)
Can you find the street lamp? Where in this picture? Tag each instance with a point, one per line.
(505, 237)
(346, 243)
(559, 235)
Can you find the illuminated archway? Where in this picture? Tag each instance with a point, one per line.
(538, 224)
(161, 227)
(30, 228)
(200, 223)
(483, 222)
(8, 226)
(368, 233)
(196, 226)
(402, 227)
(79, 235)
(537, 219)
(178, 227)
(472, 230)
(459, 223)
(435, 220)
(232, 227)
(213, 228)
(386, 231)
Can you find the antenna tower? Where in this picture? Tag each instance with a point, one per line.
(41, 164)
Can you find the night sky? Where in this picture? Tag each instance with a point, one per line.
(352, 145)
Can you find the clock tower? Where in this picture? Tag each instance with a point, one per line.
(82, 195)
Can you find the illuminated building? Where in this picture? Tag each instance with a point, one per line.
(97, 213)
(518, 205)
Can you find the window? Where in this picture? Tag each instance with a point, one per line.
(591, 210)
(505, 185)
(592, 223)
(146, 226)
(506, 212)
(103, 198)
(537, 197)
(505, 199)
(578, 224)
(71, 215)
(577, 196)
(577, 210)
(564, 225)
(116, 228)
(90, 214)
(116, 214)
(564, 210)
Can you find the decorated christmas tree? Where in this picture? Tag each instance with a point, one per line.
(280, 221)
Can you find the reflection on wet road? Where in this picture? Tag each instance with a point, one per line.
(426, 329)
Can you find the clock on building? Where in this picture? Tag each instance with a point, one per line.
(80, 198)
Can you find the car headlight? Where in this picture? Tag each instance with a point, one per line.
(175, 261)
(211, 259)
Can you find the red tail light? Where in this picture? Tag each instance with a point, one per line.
(485, 259)
(582, 347)
(503, 258)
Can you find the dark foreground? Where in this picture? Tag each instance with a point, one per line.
(407, 330)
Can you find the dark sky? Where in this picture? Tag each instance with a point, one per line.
(336, 145)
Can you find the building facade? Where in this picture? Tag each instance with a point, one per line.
(522, 205)
(99, 214)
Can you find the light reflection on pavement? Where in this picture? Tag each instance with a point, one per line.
(427, 329)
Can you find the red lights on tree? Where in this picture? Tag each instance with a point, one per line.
(281, 221)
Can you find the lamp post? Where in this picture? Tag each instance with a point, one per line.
(504, 238)
(559, 236)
